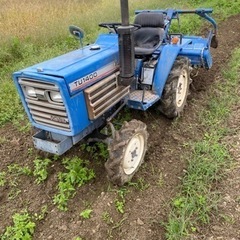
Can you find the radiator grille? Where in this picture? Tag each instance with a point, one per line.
(42, 108)
(104, 95)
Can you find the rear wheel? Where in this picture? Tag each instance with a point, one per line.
(176, 89)
(126, 152)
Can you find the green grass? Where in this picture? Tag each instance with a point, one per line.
(219, 108)
(3, 179)
(196, 200)
(10, 107)
(193, 205)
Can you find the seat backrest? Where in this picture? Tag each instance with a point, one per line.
(150, 19)
(151, 33)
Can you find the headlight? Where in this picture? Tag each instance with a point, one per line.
(56, 97)
(30, 91)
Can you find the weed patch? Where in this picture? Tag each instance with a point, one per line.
(86, 214)
(120, 200)
(10, 107)
(97, 150)
(140, 185)
(23, 227)
(210, 157)
(107, 218)
(77, 175)
(40, 169)
(16, 170)
(42, 214)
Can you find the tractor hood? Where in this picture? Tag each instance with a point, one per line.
(82, 67)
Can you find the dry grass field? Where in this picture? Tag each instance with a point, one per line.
(43, 20)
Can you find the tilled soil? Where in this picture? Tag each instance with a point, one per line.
(146, 207)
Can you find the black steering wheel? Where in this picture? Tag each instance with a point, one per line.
(114, 26)
(110, 26)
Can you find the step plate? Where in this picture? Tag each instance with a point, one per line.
(148, 96)
(137, 101)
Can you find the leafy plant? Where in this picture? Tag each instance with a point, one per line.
(107, 218)
(17, 170)
(120, 205)
(96, 150)
(42, 214)
(77, 175)
(122, 192)
(30, 151)
(78, 238)
(120, 201)
(86, 213)
(40, 169)
(22, 229)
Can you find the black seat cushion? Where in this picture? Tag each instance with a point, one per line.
(147, 40)
(149, 37)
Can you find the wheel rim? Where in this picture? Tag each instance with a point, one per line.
(181, 88)
(133, 154)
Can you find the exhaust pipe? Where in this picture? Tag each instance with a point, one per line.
(126, 47)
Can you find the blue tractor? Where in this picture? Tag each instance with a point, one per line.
(136, 65)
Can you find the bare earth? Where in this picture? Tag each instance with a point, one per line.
(147, 208)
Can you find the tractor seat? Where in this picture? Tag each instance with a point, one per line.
(149, 37)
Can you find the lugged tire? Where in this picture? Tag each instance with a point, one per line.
(129, 142)
(176, 89)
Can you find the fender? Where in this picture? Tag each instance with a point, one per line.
(167, 58)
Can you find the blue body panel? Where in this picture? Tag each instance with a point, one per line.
(81, 62)
(198, 51)
(66, 69)
(164, 66)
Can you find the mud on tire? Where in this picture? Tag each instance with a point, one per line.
(176, 89)
(126, 152)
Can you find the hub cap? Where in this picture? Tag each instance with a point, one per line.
(181, 88)
(133, 154)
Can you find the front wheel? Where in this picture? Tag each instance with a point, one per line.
(175, 92)
(126, 152)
